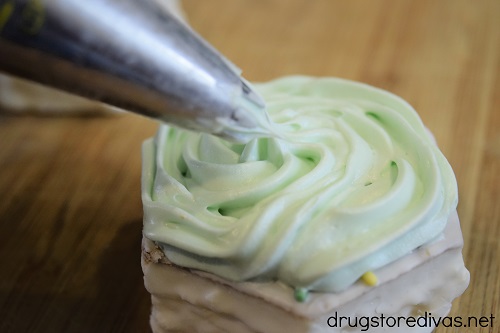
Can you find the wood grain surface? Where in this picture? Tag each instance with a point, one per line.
(70, 209)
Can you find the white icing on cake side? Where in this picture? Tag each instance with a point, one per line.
(190, 301)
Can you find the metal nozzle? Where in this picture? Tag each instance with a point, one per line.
(131, 54)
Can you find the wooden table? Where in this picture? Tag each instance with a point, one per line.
(70, 209)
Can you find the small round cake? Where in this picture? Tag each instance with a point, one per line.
(348, 209)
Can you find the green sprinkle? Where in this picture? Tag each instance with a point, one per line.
(301, 295)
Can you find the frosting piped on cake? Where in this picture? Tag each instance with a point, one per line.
(350, 182)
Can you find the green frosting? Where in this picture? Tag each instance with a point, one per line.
(349, 182)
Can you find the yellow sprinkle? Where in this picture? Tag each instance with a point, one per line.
(369, 278)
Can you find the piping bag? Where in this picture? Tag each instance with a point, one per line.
(134, 55)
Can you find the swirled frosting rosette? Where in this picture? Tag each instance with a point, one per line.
(350, 182)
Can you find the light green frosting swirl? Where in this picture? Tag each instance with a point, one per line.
(351, 182)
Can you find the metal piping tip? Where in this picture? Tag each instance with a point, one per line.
(251, 95)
